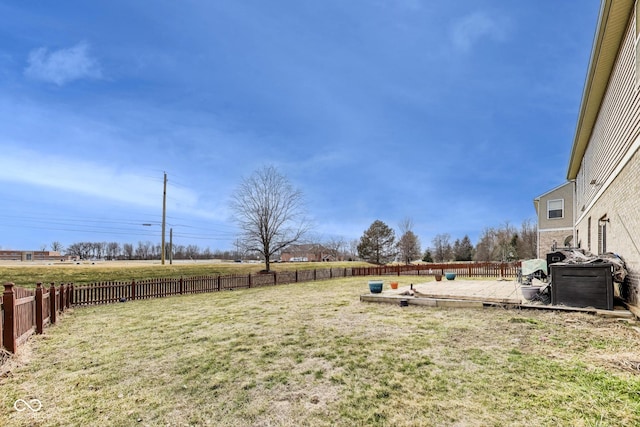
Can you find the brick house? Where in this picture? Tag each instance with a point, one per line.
(554, 210)
(8, 255)
(604, 166)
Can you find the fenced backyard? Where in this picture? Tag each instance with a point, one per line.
(28, 311)
(313, 354)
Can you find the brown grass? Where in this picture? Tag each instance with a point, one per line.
(27, 275)
(313, 354)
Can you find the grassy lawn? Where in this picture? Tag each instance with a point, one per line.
(311, 354)
(25, 275)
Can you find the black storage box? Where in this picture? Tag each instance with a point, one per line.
(554, 257)
(582, 285)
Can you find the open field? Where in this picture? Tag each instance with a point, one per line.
(313, 354)
(26, 274)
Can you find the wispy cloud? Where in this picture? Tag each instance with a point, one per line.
(470, 29)
(64, 65)
(82, 177)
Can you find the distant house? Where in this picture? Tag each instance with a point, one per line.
(605, 159)
(303, 253)
(30, 256)
(555, 219)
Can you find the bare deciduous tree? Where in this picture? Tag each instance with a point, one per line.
(528, 242)
(442, 250)
(269, 212)
(127, 250)
(506, 243)
(409, 243)
(353, 249)
(113, 250)
(336, 246)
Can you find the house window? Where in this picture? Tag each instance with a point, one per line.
(589, 234)
(555, 209)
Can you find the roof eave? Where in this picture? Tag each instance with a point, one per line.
(612, 23)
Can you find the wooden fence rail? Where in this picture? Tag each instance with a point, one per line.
(480, 269)
(27, 311)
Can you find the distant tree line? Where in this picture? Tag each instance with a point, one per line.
(377, 245)
(141, 251)
(504, 243)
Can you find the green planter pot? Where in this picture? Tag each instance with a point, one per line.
(375, 286)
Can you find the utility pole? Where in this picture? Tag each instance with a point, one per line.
(171, 246)
(164, 216)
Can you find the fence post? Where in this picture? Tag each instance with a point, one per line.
(9, 331)
(218, 280)
(133, 289)
(181, 285)
(314, 274)
(61, 303)
(72, 297)
(249, 279)
(39, 308)
(296, 275)
(275, 278)
(52, 304)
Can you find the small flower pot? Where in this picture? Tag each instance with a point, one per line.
(450, 276)
(438, 277)
(394, 285)
(375, 286)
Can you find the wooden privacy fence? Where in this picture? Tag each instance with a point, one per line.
(476, 269)
(111, 292)
(25, 311)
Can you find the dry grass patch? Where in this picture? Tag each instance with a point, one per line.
(27, 275)
(312, 354)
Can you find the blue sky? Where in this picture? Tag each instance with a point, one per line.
(455, 114)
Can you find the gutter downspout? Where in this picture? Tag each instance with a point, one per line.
(575, 210)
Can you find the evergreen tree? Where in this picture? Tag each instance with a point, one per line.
(377, 243)
(463, 249)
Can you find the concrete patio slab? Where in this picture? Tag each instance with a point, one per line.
(474, 293)
(500, 291)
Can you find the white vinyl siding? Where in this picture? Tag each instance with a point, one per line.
(617, 125)
(637, 45)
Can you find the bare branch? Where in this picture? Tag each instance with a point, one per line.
(269, 212)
